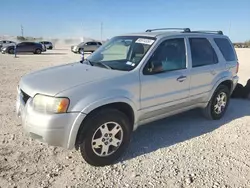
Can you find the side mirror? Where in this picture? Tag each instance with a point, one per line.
(97, 57)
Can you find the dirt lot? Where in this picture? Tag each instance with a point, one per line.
(182, 151)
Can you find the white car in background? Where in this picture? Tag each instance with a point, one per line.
(4, 43)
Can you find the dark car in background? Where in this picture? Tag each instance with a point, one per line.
(47, 44)
(24, 47)
(86, 47)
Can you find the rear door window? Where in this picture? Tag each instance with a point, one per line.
(89, 43)
(225, 48)
(202, 52)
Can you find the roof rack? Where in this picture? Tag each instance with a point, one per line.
(201, 31)
(160, 29)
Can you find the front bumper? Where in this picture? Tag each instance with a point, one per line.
(3, 51)
(53, 129)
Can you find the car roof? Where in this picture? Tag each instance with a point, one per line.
(162, 34)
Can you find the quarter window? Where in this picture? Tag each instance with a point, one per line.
(202, 52)
(226, 49)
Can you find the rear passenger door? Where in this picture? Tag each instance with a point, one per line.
(89, 47)
(205, 67)
(30, 47)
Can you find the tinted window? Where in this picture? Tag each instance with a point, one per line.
(170, 55)
(22, 44)
(225, 48)
(202, 52)
(99, 43)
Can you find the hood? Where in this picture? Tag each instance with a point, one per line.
(53, 80)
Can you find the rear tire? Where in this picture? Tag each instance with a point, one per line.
(38, 51)
(105, 137)
(218, 104)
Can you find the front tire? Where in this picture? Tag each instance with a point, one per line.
(11, 51)
(218, 104)
(81, 50)
(106, 138)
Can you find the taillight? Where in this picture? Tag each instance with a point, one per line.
(237, 68)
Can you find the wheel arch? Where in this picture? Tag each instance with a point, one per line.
(227, 81)
(123, 104)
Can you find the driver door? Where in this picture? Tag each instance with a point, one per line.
(165, 90)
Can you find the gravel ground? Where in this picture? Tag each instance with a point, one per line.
(181, 151)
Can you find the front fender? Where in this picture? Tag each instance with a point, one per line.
(109, 100)
(90, 107)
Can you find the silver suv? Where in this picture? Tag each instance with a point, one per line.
(95, 105)
(90, 46)
(47, 44)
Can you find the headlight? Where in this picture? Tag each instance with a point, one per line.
(49, 104)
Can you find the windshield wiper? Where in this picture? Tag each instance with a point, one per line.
(87, 62)
(104, 65)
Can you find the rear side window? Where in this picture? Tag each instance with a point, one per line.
(202, 52)
(225, 48)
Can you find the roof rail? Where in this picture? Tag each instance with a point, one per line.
(202, 31)
(160, 29)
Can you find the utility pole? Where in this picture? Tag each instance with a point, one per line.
(101, 30)
(22, 30)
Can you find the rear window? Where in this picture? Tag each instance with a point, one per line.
(225, 48)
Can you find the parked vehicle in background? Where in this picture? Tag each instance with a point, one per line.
(47, 44)
(90, 46)
(6, 43)
(24, 47)
(129, 81)
(44, 48)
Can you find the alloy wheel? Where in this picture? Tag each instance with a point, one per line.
(107, 139)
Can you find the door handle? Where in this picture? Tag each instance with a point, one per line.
(181, 78)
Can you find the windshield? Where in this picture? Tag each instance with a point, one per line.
(122, 53)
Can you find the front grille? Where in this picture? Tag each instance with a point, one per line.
(25, 96)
